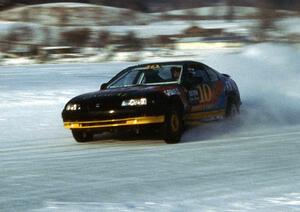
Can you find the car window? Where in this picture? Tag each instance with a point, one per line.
(129, 78)
(167, 73)
(197, 71)
(212, 74)
(150, 74)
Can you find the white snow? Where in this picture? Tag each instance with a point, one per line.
(219, 11)
(289, 25)
(247, 164)
(5, 25)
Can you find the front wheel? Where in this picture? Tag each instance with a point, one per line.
(82, 136)
(173, 127)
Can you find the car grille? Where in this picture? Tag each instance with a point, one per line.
(102, 105)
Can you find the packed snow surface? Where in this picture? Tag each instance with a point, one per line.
(250, 163)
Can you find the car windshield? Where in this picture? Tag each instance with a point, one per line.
(149, 75)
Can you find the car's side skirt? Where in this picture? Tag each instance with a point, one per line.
(205, 115)
(115, 122)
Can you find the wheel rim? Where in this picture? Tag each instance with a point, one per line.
(174, 123)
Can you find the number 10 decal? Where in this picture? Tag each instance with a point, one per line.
(205, 93)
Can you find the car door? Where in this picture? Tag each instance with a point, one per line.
(217, 85)
(203, 91)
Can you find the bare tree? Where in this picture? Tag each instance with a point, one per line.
(76, 37)
(25, 16)
(62, 16)
(132, 42)
(128, 16)
(47, 36)
(103, 39)
(20, 34)
(165, 41)
(267, 15)
(230, 13)
(191, 14)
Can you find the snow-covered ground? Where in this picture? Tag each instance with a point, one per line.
(289, 25)
(40, 36)
(218, 11)
(177, 27)
(247, 164)
(108, 18)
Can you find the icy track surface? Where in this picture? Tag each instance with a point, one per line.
(247, 164)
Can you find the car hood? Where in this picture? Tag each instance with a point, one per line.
(121, 93)
(109, 99)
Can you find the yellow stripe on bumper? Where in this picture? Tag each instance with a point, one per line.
(115, 122)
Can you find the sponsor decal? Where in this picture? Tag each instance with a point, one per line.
(206, 97)
(210, 95)
(172, 92)
(205, 93)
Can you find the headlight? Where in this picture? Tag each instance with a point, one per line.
(73, 107)
(134, 102)
(172, 92)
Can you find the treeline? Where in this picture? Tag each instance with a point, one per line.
(164, 5)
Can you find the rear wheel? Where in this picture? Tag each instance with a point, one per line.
(82, 136)
(232, 108)
(173, 127)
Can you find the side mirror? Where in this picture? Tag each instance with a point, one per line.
(103, 86)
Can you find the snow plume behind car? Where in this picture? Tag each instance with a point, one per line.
(268, 76)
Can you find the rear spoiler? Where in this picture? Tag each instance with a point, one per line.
(226, 75)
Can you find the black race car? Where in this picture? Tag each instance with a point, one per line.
(163, 96)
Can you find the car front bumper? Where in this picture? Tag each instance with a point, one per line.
(132, 121)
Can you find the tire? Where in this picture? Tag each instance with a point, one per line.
(82, 136)
(173, 127)
(232, 108)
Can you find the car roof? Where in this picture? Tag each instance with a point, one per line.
(183, 62)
